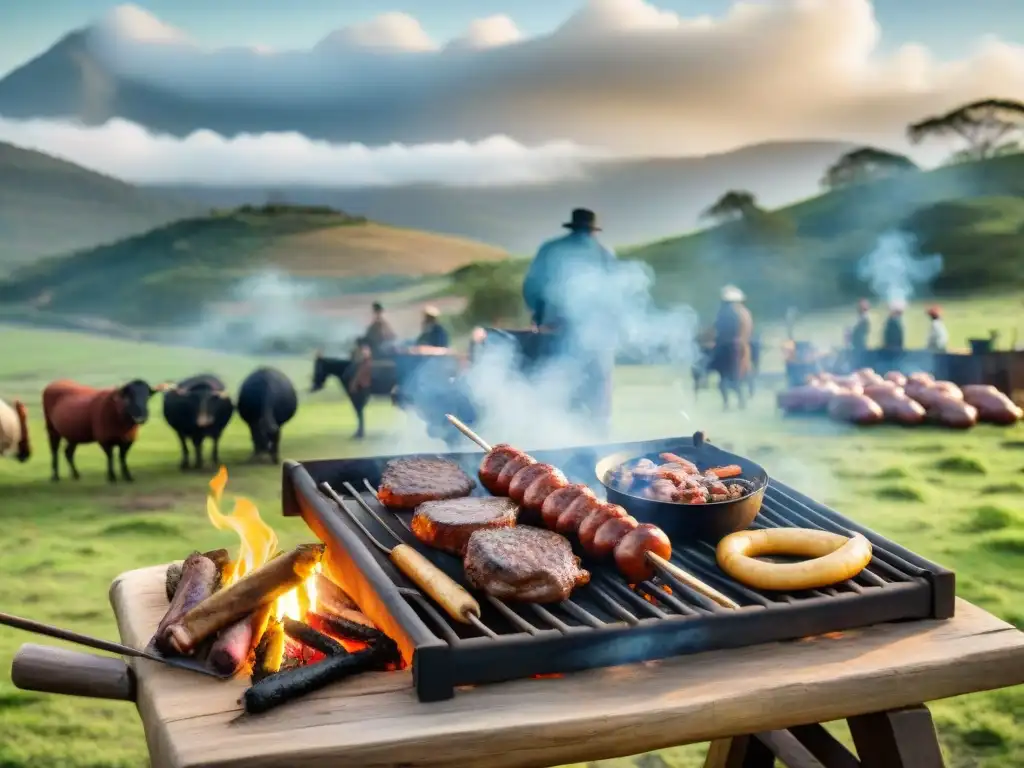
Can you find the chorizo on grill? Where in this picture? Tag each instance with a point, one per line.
(631, 552)
(512, 466)
(598, 516)
(524, 477)
(610, 533)
(494, 462)
(558, 501)
(540, 489)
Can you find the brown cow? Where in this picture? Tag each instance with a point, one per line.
(14, 430)
(79, 414)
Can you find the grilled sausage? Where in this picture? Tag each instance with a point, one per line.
(522, 479)
(512, 466)
(540, 489)
(494, 462)
(597, 517)
(569, 521)
(610, 534)
(558, 501)
(631, 552)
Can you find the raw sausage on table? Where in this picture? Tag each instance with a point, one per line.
(855, 409)
(993, 406)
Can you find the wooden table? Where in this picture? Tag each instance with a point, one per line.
(375, 720)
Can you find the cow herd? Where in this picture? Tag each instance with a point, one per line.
(196, 408)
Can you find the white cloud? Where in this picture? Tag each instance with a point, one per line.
(621, 74)
(130, 152)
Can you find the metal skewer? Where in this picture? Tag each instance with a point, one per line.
(659, 563)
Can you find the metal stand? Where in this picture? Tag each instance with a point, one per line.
(902, 738)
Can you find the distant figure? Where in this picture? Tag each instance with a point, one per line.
(564, 279)
(938, 336)
(432, 333)
(892, 334)
(380, 336)
(198, 407)
(79, 414)
(266, 402)
(14, 431)
(861, 330)
(734, 328)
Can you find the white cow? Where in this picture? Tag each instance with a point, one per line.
(14, 431)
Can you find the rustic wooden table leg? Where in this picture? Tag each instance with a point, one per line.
(901, 738)
(739, 752)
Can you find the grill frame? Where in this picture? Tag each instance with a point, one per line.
(897, 585)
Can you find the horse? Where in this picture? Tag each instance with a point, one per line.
(360, 376)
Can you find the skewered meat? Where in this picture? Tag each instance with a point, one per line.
(993, 406)
(569, 521)
(900, 409)
(494, 462)
(524, 564)
(540, 489)
(856, 409)
(524, 477)
(592, 522)
(631, 552)
(407, 483)
(512, 466)
(558, 501)
(610, 534)
(448, 524)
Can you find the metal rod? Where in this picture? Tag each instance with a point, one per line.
(468, 432)
(551, 619)
(669, 599)
(513, 617)
(325, 487)
(476, 622)
(635, 599)
(582, 614)
(38, 628)
(614, 606)
(692, 561)
(437, 618)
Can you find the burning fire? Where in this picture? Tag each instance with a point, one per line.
(257, 544)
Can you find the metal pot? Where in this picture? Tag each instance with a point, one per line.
(683, 522)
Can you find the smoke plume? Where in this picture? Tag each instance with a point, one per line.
(894, 270)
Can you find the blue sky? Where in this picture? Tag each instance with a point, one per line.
(27, 27)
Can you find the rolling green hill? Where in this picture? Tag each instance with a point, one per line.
(806, 255)
(49, 206)
(170, 273)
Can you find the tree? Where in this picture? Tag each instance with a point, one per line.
(865, 164)
(734, 204)
(988, 126)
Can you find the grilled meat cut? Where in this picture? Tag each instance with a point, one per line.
(523, 564)
(407, 483)
(448, 523)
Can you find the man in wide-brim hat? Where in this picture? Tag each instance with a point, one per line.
(432, 333)
(562, 290)
(734, 328)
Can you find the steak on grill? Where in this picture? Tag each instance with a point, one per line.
(447, 524)
(407, 483)
(524, 564)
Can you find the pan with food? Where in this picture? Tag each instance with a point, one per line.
(700, 492)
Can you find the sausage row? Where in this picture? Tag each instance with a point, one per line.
(603, 530)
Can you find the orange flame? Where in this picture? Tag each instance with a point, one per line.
(257, 544)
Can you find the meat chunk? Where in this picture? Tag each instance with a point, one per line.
(407, 483)
(523, 564)
(448, 523)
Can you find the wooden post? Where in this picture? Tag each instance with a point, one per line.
(901, 738)
(739, 752)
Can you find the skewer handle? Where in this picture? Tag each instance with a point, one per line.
(39, 628)
(468, 432)
(49, 669)
(445, 591)
(692, 582)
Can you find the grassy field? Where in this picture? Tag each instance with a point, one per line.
(954, 498)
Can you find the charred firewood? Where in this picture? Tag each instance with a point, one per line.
(222, 560)
(269, 651)
(235, 644)
(286, 686)
(310, 637)
(331, 598)
(252, 591)
(345, 628)
(196, 585)
(172, 580)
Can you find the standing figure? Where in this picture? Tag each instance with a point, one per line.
(734, 327)
(564, 288)
(893, 336)
(938, 336)
(379, 336)
(859, 335)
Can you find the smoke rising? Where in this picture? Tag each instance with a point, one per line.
(272, 316)
(605, 311)
(894, 270)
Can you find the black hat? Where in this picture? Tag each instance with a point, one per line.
(582, 219)
(378, 307)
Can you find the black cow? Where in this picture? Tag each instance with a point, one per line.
(381, 381)
(197, 408)
(266, 402)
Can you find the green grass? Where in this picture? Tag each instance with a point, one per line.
(63, 543)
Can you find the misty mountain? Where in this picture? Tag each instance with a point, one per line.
(636, 200)
(49, 206)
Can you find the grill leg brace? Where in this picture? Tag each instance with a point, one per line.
(902, 738)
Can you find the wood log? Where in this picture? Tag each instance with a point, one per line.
(269, 651)
(252, 591)
(310, 637)
(286, 686)
(197, 583)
